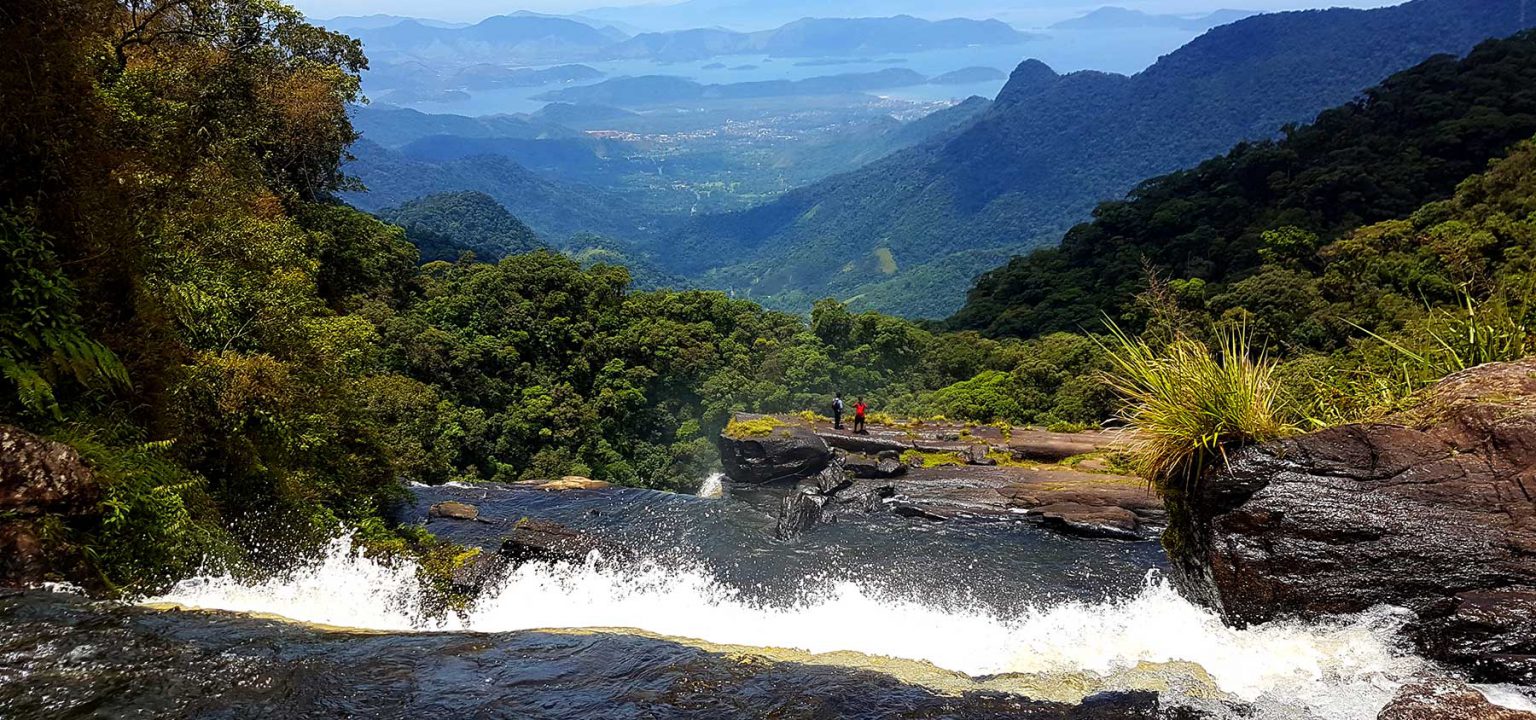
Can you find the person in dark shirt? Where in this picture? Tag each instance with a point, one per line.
(837, 412)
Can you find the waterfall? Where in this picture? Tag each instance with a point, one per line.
(1346, 669)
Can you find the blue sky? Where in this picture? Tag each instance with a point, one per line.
(469, 10)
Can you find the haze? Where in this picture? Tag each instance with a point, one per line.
(1024, 12)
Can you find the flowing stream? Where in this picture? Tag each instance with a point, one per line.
(876, 617)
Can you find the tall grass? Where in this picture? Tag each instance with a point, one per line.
(1476, 333)
(1188, 404)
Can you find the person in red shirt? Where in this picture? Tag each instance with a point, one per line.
(858, 416)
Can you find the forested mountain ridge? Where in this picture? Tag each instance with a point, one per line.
(554, 210)
(446, 225)
(1403, 144)
(1052, 146)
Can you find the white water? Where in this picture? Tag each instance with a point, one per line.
(713, 487)
(1346, 670)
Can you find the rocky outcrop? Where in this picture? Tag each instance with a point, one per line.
(783, 451)
(542, 540)
(1434, 511)
(1445, 699)
(887, 464)
(40, 479)
(824, 497)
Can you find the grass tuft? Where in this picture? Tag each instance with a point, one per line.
(1189, 404)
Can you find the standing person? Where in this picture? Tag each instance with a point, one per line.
(837, 412)
(858, 417)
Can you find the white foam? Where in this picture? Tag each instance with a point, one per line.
(713, 487)
(1342, 670)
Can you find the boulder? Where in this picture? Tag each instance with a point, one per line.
(450, 510)
(574, 482)
(888, 465)
(41, 479)
(1090, 520)
(828, 495)
(786, 451)
(1435, 512)
(40, 476)
(1445, 699)
(542, 540)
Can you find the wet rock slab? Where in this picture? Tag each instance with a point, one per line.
(1446, 699)
(1073, 501)
(1436, 513)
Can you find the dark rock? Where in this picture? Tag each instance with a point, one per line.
(1090, 520)
(1436, 514)
(41, 479)
(1445, 699)
(788, 451)
(484, 571)
(977, 455)
(830, 494)
(40, 476)
(865, 467)
(451, 510)
(542, 540)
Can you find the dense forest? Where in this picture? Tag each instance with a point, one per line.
(238, 353)
(1401, 145)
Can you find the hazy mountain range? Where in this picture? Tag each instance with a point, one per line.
(907, 233)
(534, 39)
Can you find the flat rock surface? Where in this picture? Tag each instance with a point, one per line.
(1096, 504)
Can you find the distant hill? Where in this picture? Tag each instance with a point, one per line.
(530, 39)
(445, 225)
(1406, 143)
(665, 89)
(580, 115)
(554, 210)
(1119, 18)
(967, 76)
(1052, 146)
(526, 39)
(393, 126)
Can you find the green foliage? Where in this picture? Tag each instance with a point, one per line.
(447, 225)
(158, 521)
(1052, 146)
(760, 427)
(42, 339)
(1188, 405)
(1242, 222)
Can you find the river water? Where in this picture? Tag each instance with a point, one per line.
(710, 617)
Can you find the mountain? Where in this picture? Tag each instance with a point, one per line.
(967, 76)
(1119, 18)
(1403, 144)
(822, 37)
(354, 23)
(755, 15)
(554, 210)
(393, 127)
(1052, 146)
(664, 89)
(445, 225)
(528, 39)
(503, 39)
(580, 115)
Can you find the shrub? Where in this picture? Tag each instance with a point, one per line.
(757, 427)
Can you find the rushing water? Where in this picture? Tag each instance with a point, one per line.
(878, 617)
